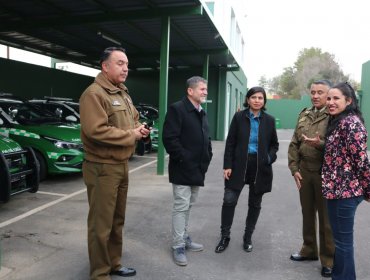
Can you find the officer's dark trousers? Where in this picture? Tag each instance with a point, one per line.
(312, 202)
(231, 197)
(107, 186)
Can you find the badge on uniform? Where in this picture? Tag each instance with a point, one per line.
(116, 103)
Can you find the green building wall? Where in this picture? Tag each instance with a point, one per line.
(365, 93)
(286, 110)
(28, 80)
(231, 90)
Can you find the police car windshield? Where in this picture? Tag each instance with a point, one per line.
(26, 113)
(75, 106)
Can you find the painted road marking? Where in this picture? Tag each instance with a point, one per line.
(65, 197)
(146, 157)
(51, 193)
(38, 209)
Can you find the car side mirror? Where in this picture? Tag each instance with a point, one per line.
(13, 112)
(58, 112)
(71, 118)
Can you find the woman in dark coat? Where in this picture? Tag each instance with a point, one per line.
(250, 150)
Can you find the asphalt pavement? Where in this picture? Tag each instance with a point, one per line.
(43, 235)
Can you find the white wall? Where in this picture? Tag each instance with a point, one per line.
(229, 18)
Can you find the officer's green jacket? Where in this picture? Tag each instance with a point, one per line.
(301, 155)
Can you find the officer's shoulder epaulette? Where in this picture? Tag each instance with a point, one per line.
(305, 110)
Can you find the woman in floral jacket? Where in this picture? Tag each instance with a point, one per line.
(345, 173)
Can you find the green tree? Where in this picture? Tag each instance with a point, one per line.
(274, 85)
(263, 82)
(315, 65)
(312, 64)
(356, 85)
(288, 83)
(306, 54)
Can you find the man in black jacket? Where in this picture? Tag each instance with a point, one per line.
(186, 139)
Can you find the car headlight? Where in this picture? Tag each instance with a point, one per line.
(154, 131)
(64, 144)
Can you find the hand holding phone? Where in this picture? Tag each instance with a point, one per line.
(146, 126)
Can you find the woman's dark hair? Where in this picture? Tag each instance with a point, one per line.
(252, 91)
(353, 108)
(108, 51)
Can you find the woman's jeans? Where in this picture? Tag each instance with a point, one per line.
(342, 216)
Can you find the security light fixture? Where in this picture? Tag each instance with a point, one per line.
(106, 37)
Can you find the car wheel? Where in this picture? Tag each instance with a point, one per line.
(42, 165)
(140, 148)
(33, 179)
(148, 147)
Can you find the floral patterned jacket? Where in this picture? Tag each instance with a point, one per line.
(346, 170)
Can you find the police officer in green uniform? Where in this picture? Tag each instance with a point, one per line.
(109, 130)
(305, 157)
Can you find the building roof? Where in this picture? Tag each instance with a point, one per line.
(78, 30)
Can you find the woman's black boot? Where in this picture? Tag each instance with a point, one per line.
(247, 242)
(222, 245)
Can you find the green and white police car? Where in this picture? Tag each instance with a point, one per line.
(148, 114)
(19, 169)
(57, 145)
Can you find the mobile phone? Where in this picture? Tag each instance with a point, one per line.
(146, 125)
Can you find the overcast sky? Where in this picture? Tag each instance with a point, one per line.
(276, 31)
